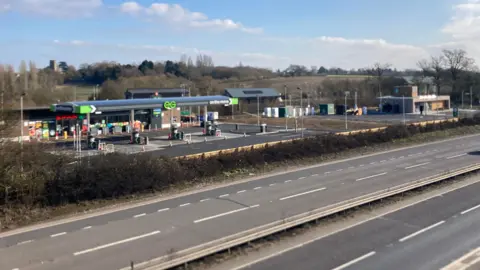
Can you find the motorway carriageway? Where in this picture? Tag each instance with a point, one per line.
(424, 236)
(111, 240)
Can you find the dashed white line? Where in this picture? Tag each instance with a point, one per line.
(421, 231)
(272, 185)
(303, 193)
(327, 172)
(339, 170)
(115, 243)
(313, 175)
(140, 215)
(371, 176)
(382, 161)
(461, 155)
(373, 163)
(224, 195)
(352, 262)
(241, 191)
(204, 200)
(163, 210)
(25, 242)
(58, 234)
(288, 181)
(226, 213)
(418, 165)
(87, 228)
(257, 188)
(470, 209)
(361, 165)
(185, 204)
(16, 269)
(300, 178)
(401, 157)
(393, 158)
(351, 167)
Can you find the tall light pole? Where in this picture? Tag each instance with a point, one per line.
(258, 110)
(345, 110)
(21, 131)
(301, 108)
(403, 108)
(471, 98)
(286, 110)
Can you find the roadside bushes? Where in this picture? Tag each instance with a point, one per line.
(51, 180)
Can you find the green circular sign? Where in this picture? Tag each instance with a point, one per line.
(170, 105)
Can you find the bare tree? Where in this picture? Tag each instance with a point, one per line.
(184, 59)
(434, 68)
(378, 72)
(457, 62)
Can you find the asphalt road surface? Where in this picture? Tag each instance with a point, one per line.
(425, 236)
(112, 240)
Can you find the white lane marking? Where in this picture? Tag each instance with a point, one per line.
(351, 167)
(382, 161)
(163, 210)
(313, 175)
(373, 163)
(272, 185)
(185, 204)
(303, 193)
(461, 155)
(25, 242)
(361, 165)
(327, 172)
(140, 215)
(241, 191)
(58, 234)
(257, 188)
(401, 157)
(421, 231)
(470, 209)
(371, 176)
(19, 268)
(393, 158)
(204, 200)
(115, 243)
(288, 181)
(87, 228)
(300, 178)
(352, 262)
(418, 165)
(224, 195)
(339, 170)
(226, 213)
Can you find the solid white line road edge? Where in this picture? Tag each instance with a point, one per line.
(421, 231)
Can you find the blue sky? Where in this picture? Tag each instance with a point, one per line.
(267, 33)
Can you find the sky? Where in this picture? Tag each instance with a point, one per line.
(262, 33)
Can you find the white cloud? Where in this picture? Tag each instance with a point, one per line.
(179, 16)
(55, 8)
(464, 28)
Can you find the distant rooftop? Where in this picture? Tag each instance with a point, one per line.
(251, 92)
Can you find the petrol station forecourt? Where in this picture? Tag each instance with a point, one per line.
(160, 112)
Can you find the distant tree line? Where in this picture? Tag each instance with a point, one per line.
(451, 73)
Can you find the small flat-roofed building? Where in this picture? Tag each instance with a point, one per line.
(406, 98)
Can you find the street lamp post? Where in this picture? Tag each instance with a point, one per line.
(258, 110)
(403, 108)
(345, 110)
(285, 101)
(301, 109)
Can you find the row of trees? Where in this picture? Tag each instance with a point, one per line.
(450, 73)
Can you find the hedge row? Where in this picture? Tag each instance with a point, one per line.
(51, 181)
